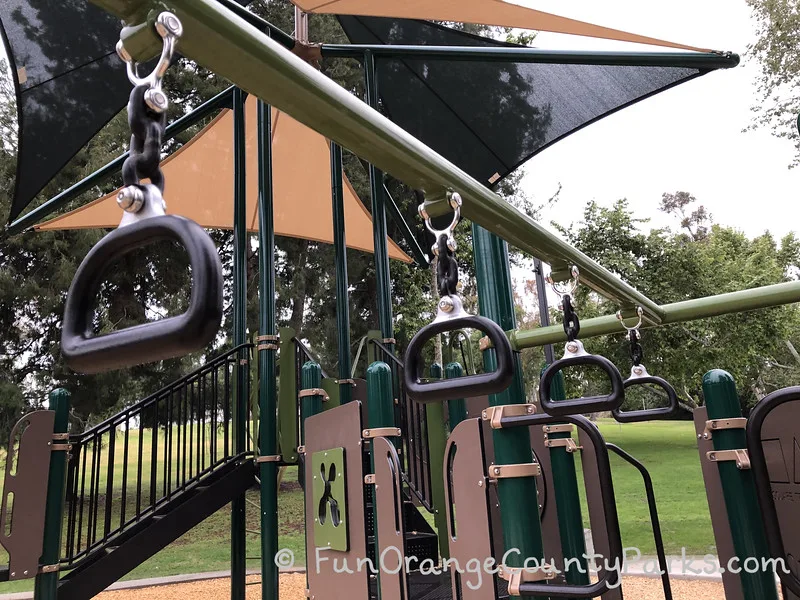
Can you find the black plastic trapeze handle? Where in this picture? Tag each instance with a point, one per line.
(581, 405)
(459, 387)
(148, 342)
(649, 414)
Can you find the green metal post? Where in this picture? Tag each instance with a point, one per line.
(456, 409)
(310, 378)
(46, 585)
(342, 293)
(380, 397)
(380, 413)
(382, 274)
(238, 540)
(738, 488)
(268, 390)
(522, 533)
(437, 440)
(568, 502)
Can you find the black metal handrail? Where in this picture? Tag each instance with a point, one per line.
(169, 440)
(654, 522)
(415, 456)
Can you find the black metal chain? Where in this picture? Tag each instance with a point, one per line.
(572, 325)
(637, 354)
(147, 131)
(446, 268)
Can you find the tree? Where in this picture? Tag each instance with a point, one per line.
(672, 266)
(777, 51)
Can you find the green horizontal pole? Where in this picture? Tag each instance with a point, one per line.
(700, 60)
(221, 100)
(231, 47)
(678, 312)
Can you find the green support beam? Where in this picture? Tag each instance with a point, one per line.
(381, 250)
(739, 489)
(342, 287)
(240, 237)
(233, 48)
(46, 584)
(522, 533)
(678, 312)
(268, 390)
(692, 60)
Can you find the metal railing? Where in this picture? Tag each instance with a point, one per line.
(411, 418)
(123, 469)
(414, 452)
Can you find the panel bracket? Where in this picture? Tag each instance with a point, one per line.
(741, 456)
(512, 471)
(567, 443)
(495, 414)
(381, 432)
(719, 424)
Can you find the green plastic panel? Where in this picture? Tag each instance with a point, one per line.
(330, 499)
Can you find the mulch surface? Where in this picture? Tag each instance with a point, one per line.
(293, 586)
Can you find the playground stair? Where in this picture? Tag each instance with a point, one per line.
(122, 553)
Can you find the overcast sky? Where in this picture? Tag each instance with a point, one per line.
(688, 138)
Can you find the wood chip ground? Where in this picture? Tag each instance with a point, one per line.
(293, 586)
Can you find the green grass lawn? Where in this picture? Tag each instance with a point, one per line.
(668, 449)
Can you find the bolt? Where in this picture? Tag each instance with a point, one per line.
(572, 347)
(497, 471)
(130, 199)
(446, 304)
(480, 482)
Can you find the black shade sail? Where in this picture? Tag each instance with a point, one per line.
(69, 79)
(70, 83)
(488, 117)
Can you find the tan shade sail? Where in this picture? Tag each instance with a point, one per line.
(483, 12)
(199, 186)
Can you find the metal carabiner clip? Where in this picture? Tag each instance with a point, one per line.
(170, 29)
(455, 204)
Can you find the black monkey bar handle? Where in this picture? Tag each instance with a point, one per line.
(460, 387)
(640, 376)
(148, 342)
(576, 356)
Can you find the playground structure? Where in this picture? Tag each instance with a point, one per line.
(500, 480)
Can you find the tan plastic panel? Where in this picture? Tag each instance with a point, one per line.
(466, 495)
(779, 437)
(22, 528)
(390, 529)
(335, 428)
(716, 504)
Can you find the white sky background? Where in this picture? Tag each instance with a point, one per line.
(688, 138)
